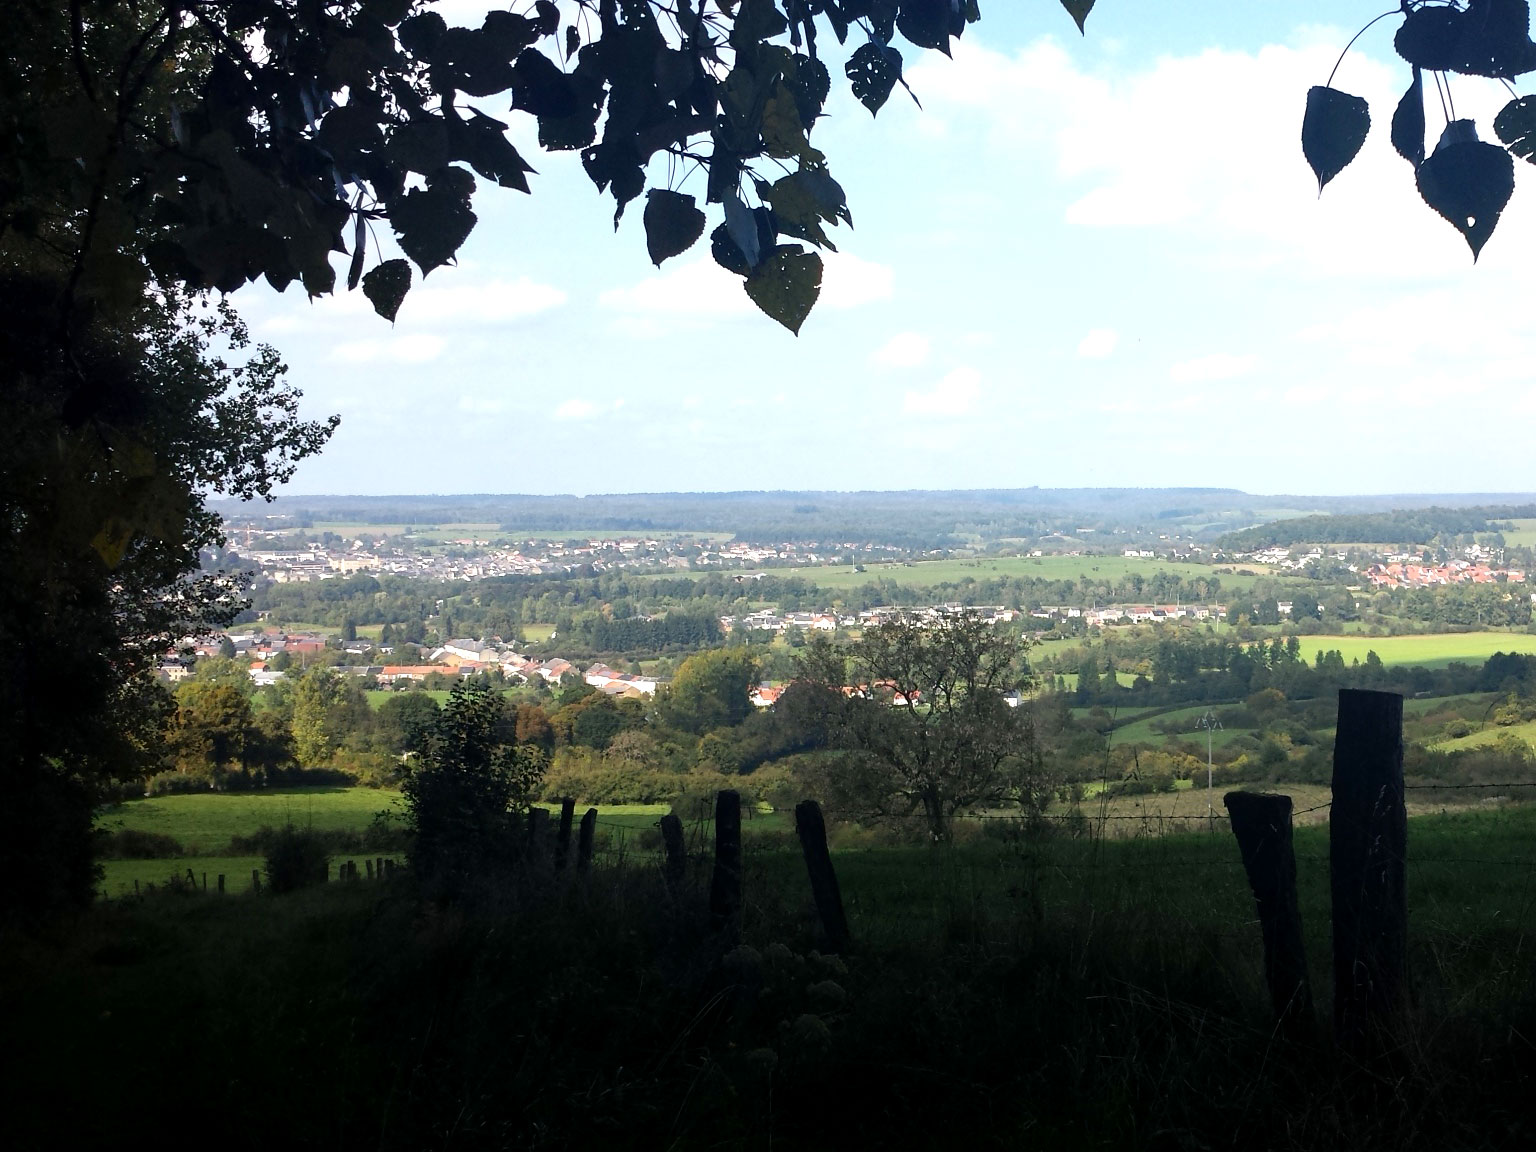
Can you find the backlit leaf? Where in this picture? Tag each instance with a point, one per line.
(1078, 10)
(673, 222)
(1408, 121)
(386, 286)
(432, 222)
(1429, 38)
(873, 71)
(1468, 182)
(1515, 125)
(1332, 131)
(787, 284)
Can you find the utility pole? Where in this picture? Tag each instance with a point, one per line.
(1210, 724)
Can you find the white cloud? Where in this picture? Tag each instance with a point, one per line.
(954, 395)
(462, 304)
(412, 348)
(576, 410)
(1099, 344)
(903, 350)
(848, 282)
(1217, 366)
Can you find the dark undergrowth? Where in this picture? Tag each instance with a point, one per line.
(1007, 994)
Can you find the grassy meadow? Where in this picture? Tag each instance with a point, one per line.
(927, 573)
(1433, 650)
(1065, 992)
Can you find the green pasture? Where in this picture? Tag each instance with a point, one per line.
(205, 822)
(1490, 734)
(537, 633)
(1523, 535)
(1183, 722)
(377, 696)
(1432, 650)
(1109, 569)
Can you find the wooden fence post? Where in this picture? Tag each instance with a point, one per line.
(725, 884)
(205, 881)
(135, 887)
(812, 830)
(221, 883)
(378, 867)
(1367, 852)
(255, 879)
(676, 866)
(584, 840)
(1262, 825)
(368, 864)
(563, 835)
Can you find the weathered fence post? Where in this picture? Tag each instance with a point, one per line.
(563, 835)
(135, 887)
(725, 884)
(584, 840)
(221, 883)
(1262, 825)
(205, 881)
(676, 866)
(368, 864)
(255, 879)
(812, 830)
(1367, 851)
(378, 867)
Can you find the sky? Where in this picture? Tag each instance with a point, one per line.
(1084, 261)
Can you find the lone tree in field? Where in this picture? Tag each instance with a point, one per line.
(923, 705)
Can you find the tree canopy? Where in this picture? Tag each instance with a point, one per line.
(211, 143)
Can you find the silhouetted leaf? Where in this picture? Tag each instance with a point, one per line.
(1078, 10)
(1408, 121)
(481, 143)
(386, 286)
(1516, 126)
(1468, 182)
(432, 222)
(1332, 131)
(725, 252)
(1429, 38)
(810, 83)
(931, 23)
(420, 145)
(872, 72)
(786, 285)
(1496, 39)
(673, 222)
(1488, 38)
(420, 34)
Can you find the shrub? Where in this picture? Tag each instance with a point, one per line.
(176, 784)
(296, 858)
(132, 844)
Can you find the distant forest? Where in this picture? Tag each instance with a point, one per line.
(1404, 527)
(905, 519)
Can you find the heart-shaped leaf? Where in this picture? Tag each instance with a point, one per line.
(1078, 10)
(1515, 125)
(433, 221)
(1430, 37)
(1332, 131)
(672, 223)
(1408, 121)
(786, 285)
(1468, 182)
(872, 72)
(386, 286)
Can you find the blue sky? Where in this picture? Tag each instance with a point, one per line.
(1094, 261)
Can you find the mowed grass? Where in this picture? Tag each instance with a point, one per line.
(1491, 734)
(205, 823)
(1432, 650)
(377, 696)
(1108, 569)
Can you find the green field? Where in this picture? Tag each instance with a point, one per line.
(1433, 650)
(1523, 536)
(928, 573)
(205, 823)
(377, 696)
(1491, 733)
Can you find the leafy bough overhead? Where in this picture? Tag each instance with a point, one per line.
(210, 143)
(1465, 179)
